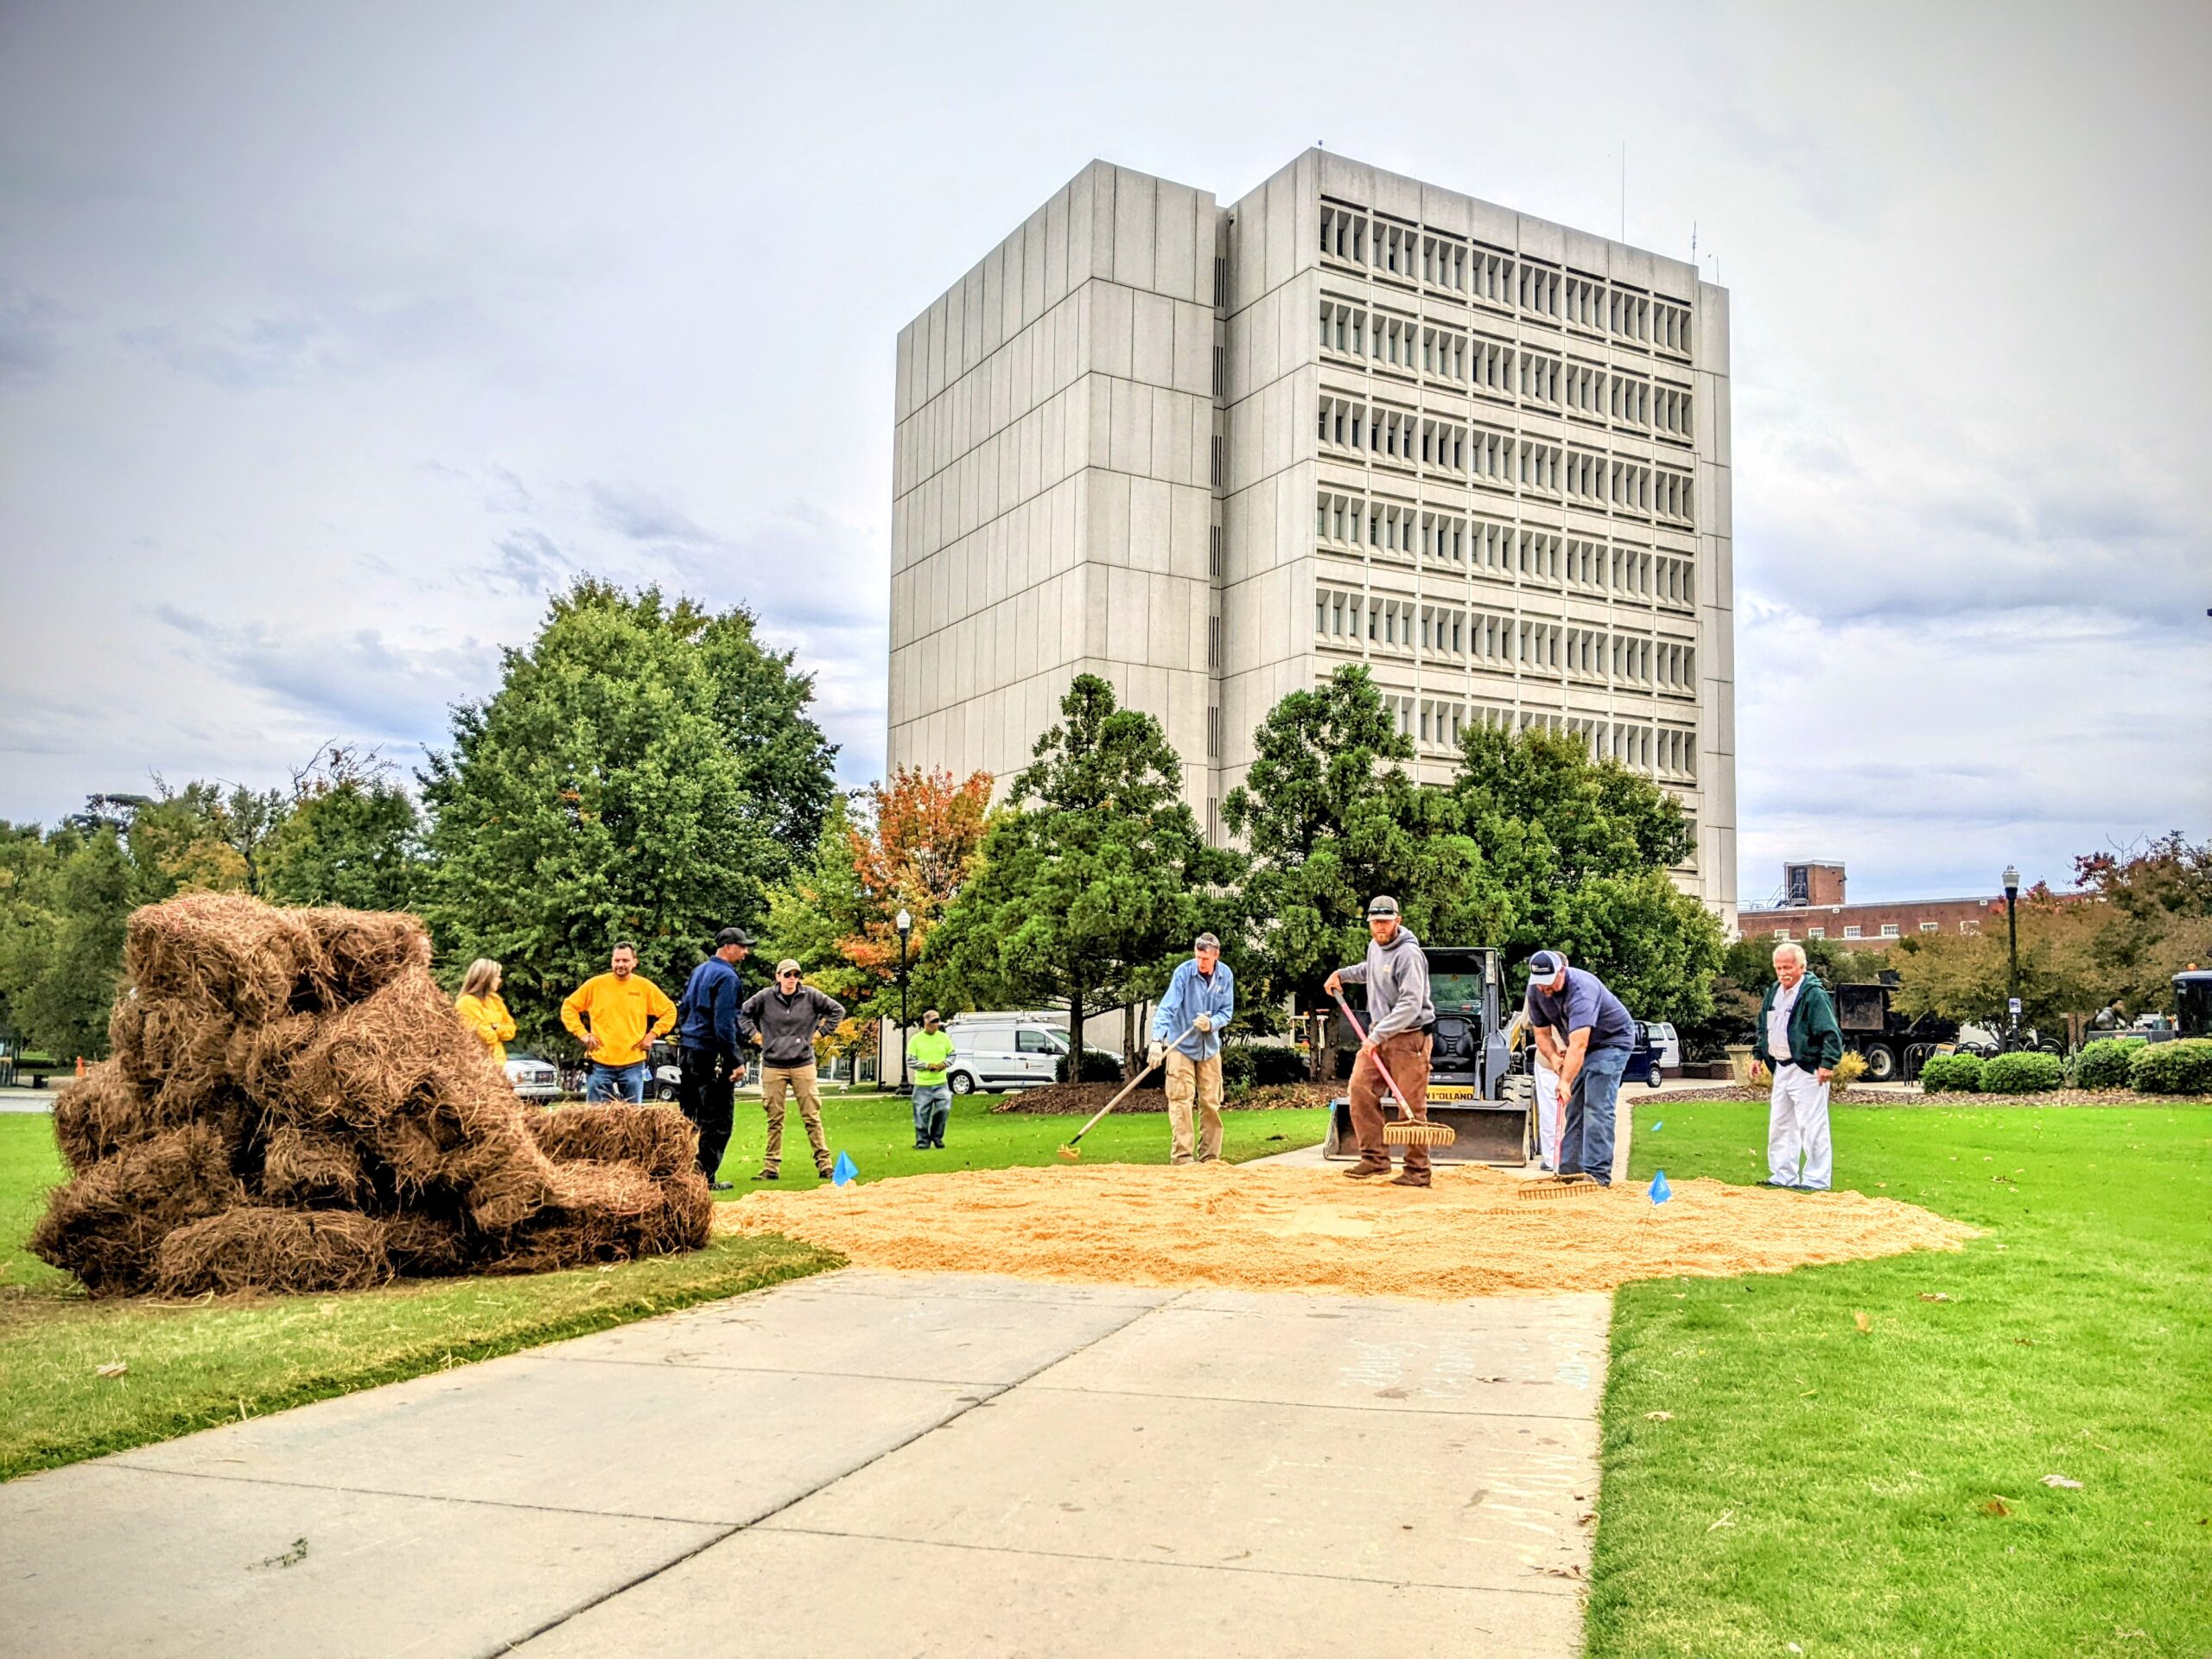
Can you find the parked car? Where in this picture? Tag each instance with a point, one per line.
(994, 1052)
(533, 1078)
(1644, 1061)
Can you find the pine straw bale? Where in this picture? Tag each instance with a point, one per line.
(106, 1225)
(175, 1057)
(229, 956)
(96, 1116)
(222, 955)
(470, 1151)
(656, 1137)
(424, 1244)
(304, 1170)
(608, 1213)
(399, 1049)
(256, 1248)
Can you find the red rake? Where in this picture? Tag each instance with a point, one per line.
(1409, 1130)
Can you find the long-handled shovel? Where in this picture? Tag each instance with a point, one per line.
(1071, 1152)
(1409, 1130)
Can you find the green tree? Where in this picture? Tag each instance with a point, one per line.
(353, 837)
(1329, 818)
(1583, 848)
(602, 793)
(1091, 877)
(65, 897)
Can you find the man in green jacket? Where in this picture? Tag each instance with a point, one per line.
(1800, 1042)
(929, 1051)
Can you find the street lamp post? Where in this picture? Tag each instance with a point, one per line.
(2012, 955)
(905, 924)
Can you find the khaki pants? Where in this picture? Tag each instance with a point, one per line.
(1190, 1080)
(799, 1080)
(1407, 1055)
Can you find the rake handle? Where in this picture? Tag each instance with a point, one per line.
(1129, 1087)
(1396, 1093)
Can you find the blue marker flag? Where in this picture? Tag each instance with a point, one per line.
(844, 1170)
(1660, 1190)
(1655, 1127)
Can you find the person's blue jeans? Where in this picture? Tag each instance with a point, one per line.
(1585, 1140)
(618, 1082)
(933, 1106)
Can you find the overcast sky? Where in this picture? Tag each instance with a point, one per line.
(333, 339)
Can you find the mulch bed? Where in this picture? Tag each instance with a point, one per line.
(1905, 1098)
(1084, 1098)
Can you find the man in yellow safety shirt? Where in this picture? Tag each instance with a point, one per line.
(617, 1016)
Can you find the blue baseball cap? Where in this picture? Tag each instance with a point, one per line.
(1544, 964)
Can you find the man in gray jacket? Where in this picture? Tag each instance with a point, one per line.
(1400, 1018)
(787, 1015)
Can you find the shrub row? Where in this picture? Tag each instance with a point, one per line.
(2176, 1068)
(1952, 1074)
(1260, 1066)
(2104, 1063)
(2184, 1067)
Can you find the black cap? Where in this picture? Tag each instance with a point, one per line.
(733, 936)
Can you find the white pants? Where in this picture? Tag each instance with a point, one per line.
(1547, 1117)
(1797, 1126)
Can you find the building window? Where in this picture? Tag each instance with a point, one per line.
(1852, 932)
(1970, 926)
(1816, 933)
(1889, 930)
(1931, 927)
(1781, 936)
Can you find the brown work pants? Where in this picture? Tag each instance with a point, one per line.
(798, 1080)
(1407, 1056)
(1193, 1083)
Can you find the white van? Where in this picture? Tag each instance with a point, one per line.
(1667, 1045)
(993, 1051)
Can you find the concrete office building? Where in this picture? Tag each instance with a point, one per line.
(1211, 453)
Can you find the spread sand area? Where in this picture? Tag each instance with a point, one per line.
(1229, 1227)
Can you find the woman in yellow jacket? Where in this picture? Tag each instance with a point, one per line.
(482, 1010)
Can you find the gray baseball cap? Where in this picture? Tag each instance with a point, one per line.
(1382, 905)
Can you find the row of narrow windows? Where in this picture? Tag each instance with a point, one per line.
(1667, 751)
(1440, 633)
(1502, 460)
(1485, 547)
(1483, 274)
(1499, 368)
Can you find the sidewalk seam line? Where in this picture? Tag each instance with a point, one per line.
(1195, 1567)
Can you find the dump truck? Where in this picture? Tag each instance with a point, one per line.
(1472, 1085)
(1892, 1045)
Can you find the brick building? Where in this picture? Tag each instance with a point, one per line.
(1813, 906)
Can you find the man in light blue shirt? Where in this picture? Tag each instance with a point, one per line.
(1200, 1001)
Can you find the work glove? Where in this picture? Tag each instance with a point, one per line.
(1156, 1053)
(1202, 1023)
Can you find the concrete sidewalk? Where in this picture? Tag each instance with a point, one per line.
(866, 1464)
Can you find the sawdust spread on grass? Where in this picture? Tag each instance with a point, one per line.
(1308, 1229)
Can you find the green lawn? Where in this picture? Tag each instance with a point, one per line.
(1881, 1492)
(194, 1365)
(879, 1131)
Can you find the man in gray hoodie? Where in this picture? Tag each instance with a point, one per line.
(787, 1015)
(1400, 1018)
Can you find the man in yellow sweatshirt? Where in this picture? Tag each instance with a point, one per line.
(617, 1015)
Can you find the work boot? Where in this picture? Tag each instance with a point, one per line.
(721, 1186)
(1361, 1171)
(768, 1175)
(1410, 1178)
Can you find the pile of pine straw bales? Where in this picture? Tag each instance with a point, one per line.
(292, 1104)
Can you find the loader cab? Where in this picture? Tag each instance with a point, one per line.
(2193, 1004)
(1471, 1085)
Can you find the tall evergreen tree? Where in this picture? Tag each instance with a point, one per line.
(1093, 875)
(1329, 818)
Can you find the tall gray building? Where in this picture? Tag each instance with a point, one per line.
(1211, 454)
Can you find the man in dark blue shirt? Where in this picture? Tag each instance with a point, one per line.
(1583, 1034)
(709, 1029)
